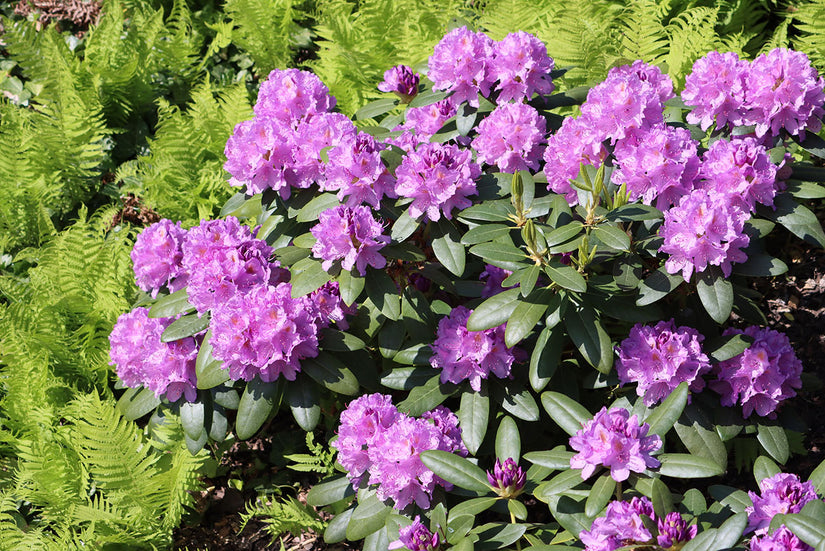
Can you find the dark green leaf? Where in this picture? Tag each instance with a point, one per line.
(191, 418)
(456, 470)
(498, 536)
(465, 118)
(612, 236)
(797, 219)
(518, 401)
(764, 468)
(634, 212)
(208, 370)
(494, 311)
(661, 497)
(560, 483)
(761, 265)
(488, 211)
(407, 378)
(329, 372)
(557, 459)
(683, 465)
(529, 277)
(259, 399)
(774, 440)
(171, 305)
(817, 478)
(384, 294)
(377, 541)
(567, 277)
(234, 203)
(590, 338)
(427, 97)
(185, 326)
(426, 397)
(658, 285)
(563, 234)
(526, 315)
(662, 418)
(195, 445)
(289, 255)
(137, 402)
(446, 243)
(308, 280)
(517, 509)
(501, 254)
(376, 108)
(599, 495)
(368, 517)
(334, 340)
(330, 491)
(727, 346)
(806, 190)
(219, 424)
(702, 542)
(566, 412)
(508, 440)
(814, 145)
(312, 210)
(472, 417)
(305, 402)
(350, 286)
(485, 233)
(716, 293)
(730, 532)
(545, 358)
(404, 227)
(337, 528)
(472, 506)
(699, 435)
(809, 530)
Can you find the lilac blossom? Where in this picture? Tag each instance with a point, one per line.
(439, 178)
(614, 439)
(511, 137)
(783, 91)
(716, 90)
(762, 376)
(507, 478)
(447, 424)
(350, 235)
(355, 170)
(402, 81)
(464, 355)
(223, 258)
(493, 277)
(659, 358)
(658, 164)
(781, 539)
(521, 66)
(673, 530)
(330, 307)
(621, 525)
(705, 229)
(574, 144)
(325, 130)
(416, 537)
(292, 95)
(781, 494)
(157, 258)
(362, 420)
(743, 168)
(259, 155)
(427, 120)
(141, 358)
(264, 333)
(461, 64)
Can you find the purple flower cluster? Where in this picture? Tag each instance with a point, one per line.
(658, 164)
(705, 228)
(572, 145)
(401, 81)
(659, 358)
(781, 539)
(421, 124)
(493, 277)
(377, 440)
(507, 479)
(416, 537)
(142, 359)
(780, 494)
(221, 259)
(438, 178)
(356, 172)
(511, 137)
(623, 526)
(350, 235)
(778, 90)
(265, 332)
(742, 169)
(280, 148)
(157, 257)
(464, 355)
(762, 376)
(614, 439)
(469, 63)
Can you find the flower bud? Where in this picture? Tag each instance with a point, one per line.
(507, 479)
(416, 537)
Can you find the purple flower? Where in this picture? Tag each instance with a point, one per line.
(783, 91)
(356, 171)
(362, 420)
(706, 228)
(416, 537)
(142, 359)
(259, 155)
(511, 137)
(330, 307)
(461, 64)
(469, 355)
(782, 493)
(622, 525)
(493, 277)
(157, 257)
(223, 258)
(350, 235)
(760, 377)
(659, 358)
(322, 131)
(292, 95)
(507, 479)
(740, 167)
(673, 529)
(781, 540)
(438, 178)
(576, 142)
(265, 332)
(615, 440)
(447, 424)
(428, 119)
(401, 81)
(716, 90)
(521, 66)
(658, 163)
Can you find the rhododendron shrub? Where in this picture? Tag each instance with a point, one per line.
(514, 320)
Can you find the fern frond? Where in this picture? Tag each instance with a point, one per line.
(642, 31)
(691, 36)
(809, 20)
(263, 28)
